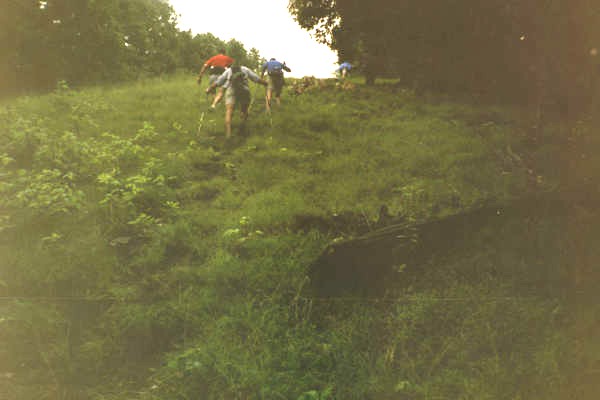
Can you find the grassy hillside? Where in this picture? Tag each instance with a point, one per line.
(143, 257)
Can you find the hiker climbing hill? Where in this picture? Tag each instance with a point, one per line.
(235, 82)
(344, 69)
(274, 71)
(215, 65)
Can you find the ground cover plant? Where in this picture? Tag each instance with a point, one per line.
(143, 257)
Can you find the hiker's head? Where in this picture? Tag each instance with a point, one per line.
(272, 59)
(222, 51)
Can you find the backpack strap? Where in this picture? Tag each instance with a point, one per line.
(237, 78)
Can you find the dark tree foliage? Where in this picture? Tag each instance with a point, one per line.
(92, 41)
(514, 49)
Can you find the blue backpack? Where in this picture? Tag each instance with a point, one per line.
(274, 68)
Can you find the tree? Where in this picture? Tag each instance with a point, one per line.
(89, 41)
(505, 48)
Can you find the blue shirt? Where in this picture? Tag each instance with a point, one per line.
(273, 64)
(345, 65)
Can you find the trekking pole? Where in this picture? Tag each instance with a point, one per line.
(252, 97)
(200, 123)
(270, 110)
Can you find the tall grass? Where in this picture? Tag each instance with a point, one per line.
(143, 258)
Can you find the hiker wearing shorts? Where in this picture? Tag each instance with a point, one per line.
(344, 69)
(215, 65)
(274, 71)
(235, 82)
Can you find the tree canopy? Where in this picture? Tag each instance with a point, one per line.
(87, 41)
(506, 47)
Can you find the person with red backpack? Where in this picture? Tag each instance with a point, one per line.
(274, 71)
(215, 65)
(235, 82)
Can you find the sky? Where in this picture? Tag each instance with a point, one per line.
(263, 24)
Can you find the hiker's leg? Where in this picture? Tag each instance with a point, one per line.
(215, 92)
(277, 88)
(268, 98)
(230, 100)
(244, 111)
(218, 97)
(228, 116)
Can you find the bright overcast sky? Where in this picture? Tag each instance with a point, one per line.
(264, 24)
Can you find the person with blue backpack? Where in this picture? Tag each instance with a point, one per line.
(344, 69)
(235, 81)
(274, 71)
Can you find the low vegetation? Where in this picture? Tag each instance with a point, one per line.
(143, 257)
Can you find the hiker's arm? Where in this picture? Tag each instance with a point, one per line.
(201, 73)
(219, 82)
(286, 68)
(255, 78)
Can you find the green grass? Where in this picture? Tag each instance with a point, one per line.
(148, 260)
